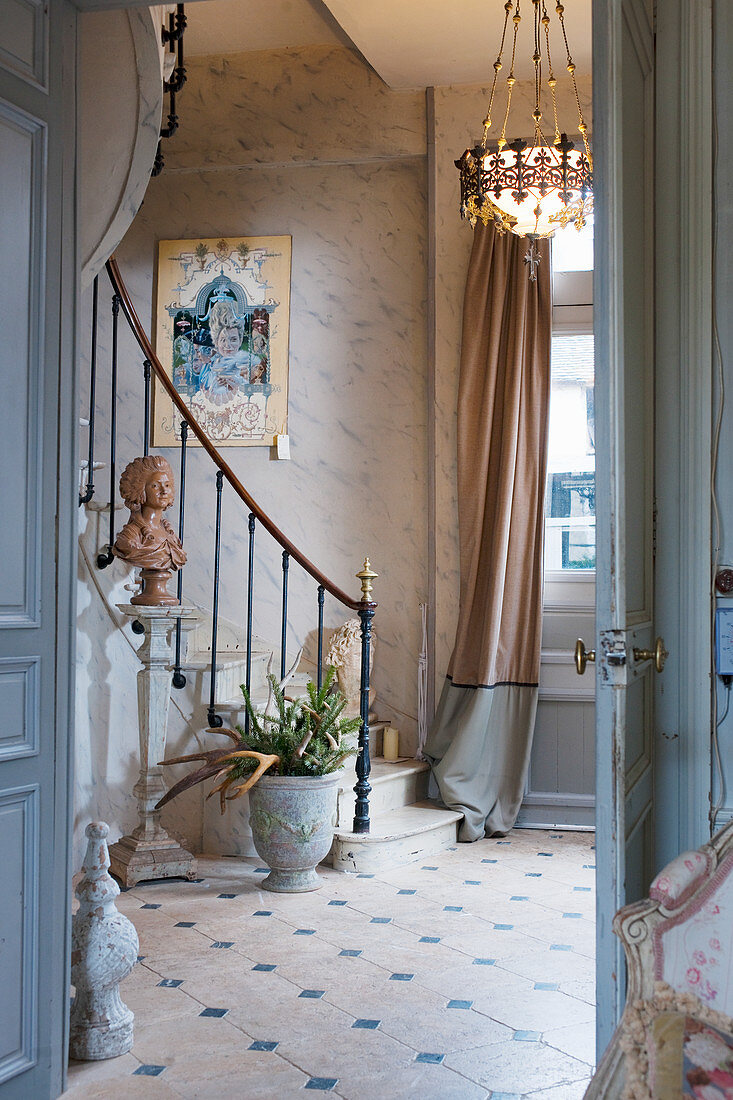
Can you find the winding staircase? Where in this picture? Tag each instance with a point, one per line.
(384, 817)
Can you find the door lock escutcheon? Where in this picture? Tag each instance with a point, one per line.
(659, 654)
(583, 656)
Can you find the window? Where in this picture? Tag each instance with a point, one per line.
(570, 521)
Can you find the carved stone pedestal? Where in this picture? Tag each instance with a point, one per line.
(104, 947)
(149, 852)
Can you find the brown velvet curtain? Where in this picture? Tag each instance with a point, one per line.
(481, 738)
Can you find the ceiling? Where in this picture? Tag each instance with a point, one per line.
(410, 43)
(242, 26)
(422, 43)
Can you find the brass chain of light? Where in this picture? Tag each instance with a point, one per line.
(511, 80)
(537, 59)
(571, 69)
(551, 81)
(508, 7)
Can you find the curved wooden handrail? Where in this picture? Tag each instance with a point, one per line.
(146, 347)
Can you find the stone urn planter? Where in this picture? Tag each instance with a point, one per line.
(288, 758)
(292, 819)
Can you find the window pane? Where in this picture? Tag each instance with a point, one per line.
(570, 507)
(572, 249)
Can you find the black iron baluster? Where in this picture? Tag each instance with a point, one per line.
(170, 129)
(88, 493)
(363, 761)
(179, 679)
(176, 26)
(284, 632)
(319, 673)
(137, 626)
(214, 719)
(173, 36)
(107, 557)
(147, 368)
(250, 587)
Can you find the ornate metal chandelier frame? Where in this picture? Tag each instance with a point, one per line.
(538, 168)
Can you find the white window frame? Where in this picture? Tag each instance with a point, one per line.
(572, 315)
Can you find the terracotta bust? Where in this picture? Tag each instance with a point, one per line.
(147, 540)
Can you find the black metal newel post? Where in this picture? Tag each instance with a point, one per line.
(363, 762)
(284, 630)
(250, 594)
(214, 719)
(179, 679)
(319, 670)
(107, 557)
(147, 368)
(88, 493)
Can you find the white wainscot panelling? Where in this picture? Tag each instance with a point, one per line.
(19, 684)
(560, 787)
(24, 39)
(19, 940)
(22, 154)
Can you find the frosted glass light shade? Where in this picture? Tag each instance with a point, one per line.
(537, 187)
(530, 190)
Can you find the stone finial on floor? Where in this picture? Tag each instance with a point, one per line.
(104, 948)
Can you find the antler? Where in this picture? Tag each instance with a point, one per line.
(317, 718)
(265, 762)
(211, 768)
(235, 737)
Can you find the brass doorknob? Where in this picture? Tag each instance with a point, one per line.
(582, 656)
(659, 654)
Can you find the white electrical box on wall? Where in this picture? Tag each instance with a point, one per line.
(724, 641)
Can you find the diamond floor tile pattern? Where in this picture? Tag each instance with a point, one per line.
(410, 974)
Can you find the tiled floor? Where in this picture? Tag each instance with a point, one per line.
(469, 977)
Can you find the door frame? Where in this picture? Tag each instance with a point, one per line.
(684, 296)
(683, 397)
(43, 93)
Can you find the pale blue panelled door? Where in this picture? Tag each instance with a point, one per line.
(623, 122)
(37, 301)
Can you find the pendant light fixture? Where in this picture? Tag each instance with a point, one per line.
(530, 188)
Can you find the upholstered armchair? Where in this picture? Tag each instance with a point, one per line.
(675, 1038)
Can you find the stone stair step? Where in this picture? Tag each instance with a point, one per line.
(231, 671)
(394, 784)
(398, 837)
(225, 658)
(234, 705)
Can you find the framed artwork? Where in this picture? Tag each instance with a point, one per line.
(221, 331)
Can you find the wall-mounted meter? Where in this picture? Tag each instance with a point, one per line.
(724, 641)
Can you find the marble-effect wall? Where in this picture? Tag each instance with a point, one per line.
(349, 186)
(106, 751)
(311, 143)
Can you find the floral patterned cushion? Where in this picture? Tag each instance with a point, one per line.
(676, 1047)
(694, 949)
(679, 879)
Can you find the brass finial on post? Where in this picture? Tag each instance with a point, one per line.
(366, 576)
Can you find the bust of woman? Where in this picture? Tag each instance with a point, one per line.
(147, 540)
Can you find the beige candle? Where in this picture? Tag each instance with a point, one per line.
(391, 744)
